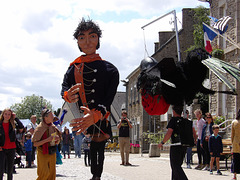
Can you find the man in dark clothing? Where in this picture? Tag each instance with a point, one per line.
(177, 151)
(124, 139)
(92, 83)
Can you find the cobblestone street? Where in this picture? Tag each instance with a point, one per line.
(143, 168)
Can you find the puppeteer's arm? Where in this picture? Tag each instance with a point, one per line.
(166, 137)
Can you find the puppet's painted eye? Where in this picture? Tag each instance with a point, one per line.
(93, 35)
(80, 37)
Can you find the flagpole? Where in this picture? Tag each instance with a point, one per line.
(226, 38)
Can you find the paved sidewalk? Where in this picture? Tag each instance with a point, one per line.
(143, 168)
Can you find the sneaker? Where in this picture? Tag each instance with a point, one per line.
(219, 172)
(189, 167)
(211, 172)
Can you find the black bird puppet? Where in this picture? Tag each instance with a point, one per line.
(167, 82)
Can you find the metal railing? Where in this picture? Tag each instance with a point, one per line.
(226, 123)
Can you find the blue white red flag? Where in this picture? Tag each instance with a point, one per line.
(209, 35)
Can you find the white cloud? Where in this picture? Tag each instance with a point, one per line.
(37, 43)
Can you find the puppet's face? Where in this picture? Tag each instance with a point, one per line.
(88, 41)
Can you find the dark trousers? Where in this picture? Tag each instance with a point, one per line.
(7, 155)
(97, 158)
(87, 157)
(236, 163)
(177, 154)
(189, 155)
(65, 149)
(206, 158)
(200, 152)
(33, 152)
(29, 158)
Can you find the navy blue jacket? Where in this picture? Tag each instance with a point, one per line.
(204, 131)
(215, 144)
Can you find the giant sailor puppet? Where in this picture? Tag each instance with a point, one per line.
(90, 84)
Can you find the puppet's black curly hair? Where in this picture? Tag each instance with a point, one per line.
(85, 25)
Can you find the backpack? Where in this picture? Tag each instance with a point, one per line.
(185, 132)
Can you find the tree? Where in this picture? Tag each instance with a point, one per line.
(200, 15)
(30, 105)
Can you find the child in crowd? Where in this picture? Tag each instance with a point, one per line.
(66, 138)
(46, 137)
(215, 148)
(28, 149)
(86, 145)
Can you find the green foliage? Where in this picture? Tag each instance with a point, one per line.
(30, 105)
(219, 120)
(218, 53)
(203, 100)
(191, 48)
(153, 138)
(200, 15)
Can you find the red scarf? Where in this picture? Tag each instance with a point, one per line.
(45, 145)
(86, 58)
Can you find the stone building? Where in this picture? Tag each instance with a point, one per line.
(222, 104)
(118, 104)
(165, 48)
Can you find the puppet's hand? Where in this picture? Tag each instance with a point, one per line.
(107, 136)
(71, 95)
(90, 117)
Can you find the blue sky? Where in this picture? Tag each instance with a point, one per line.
(37, 43)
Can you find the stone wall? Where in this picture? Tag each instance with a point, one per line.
(231, 103)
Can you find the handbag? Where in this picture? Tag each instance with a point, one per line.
(52, 149)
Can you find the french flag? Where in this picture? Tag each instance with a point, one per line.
(209, 35)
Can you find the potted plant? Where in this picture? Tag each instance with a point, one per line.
(134, 148)
(218, 53)
(153, 139)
